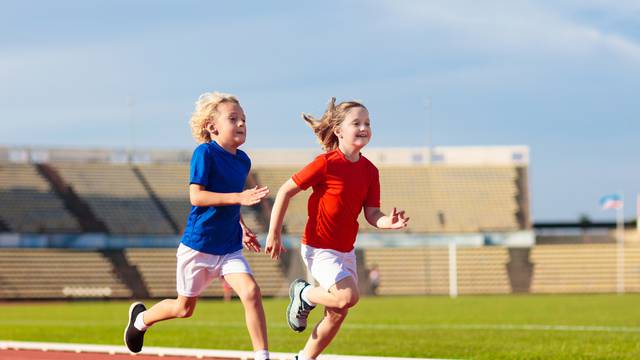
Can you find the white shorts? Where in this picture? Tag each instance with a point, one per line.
(196, 270)
(329, 266)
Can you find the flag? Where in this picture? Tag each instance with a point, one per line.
(613, 201)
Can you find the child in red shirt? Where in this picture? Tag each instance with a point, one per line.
(344, 182)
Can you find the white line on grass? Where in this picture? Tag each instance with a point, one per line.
(406, 327)
(535, 327)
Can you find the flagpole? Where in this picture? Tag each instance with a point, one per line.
(620, 247)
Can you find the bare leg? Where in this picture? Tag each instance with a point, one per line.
(337, 301)
(249, 292)
(340, 295)
(324, 331)
(182, 307)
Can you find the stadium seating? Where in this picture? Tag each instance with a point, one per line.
(583, 268)
(51, 273)
(445, 199)
(439, 199)
(170, 182)
(131, 199)
(425, 270)
(483, 270)
(273, 177)
(28, 205)
(409, 271)
(158, 269)
(116, 196)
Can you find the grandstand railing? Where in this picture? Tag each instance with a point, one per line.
(516, 155)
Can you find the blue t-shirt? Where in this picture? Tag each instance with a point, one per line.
(216, 229)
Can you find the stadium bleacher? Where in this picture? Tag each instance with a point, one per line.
(452, 198)
(150, 200)
(483, 270)
(576, 268)
(425, 270)
(57, 273)
(116, 196)
(583, 268)
(158, 270)
(29, 205)
(170, 182)
(273, 177)
(438, 199)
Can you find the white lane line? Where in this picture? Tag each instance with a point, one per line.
(164, 351)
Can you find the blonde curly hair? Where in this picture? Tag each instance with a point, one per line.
(205, 112)
(333, 116)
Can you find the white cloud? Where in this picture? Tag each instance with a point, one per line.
(514, 28)
(617, 8)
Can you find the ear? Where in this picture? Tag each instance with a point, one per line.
(211, 127)
(337, 132)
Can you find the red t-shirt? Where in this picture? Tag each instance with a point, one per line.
(340, 190)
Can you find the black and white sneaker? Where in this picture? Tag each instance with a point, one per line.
(297, 310)
(133, 337)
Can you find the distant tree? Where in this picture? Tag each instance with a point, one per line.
(584, 220)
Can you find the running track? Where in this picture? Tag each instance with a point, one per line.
(66, 355)
(18, 350)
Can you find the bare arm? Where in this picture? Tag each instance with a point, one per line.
(375, 217)
(201, 197)
(249, 238)
(274, 242)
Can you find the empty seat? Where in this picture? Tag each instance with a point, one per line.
(158, 270)
(29, 205)
(116, 196)
(54, 273)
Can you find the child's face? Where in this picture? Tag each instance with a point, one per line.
(229, 127)
(355, 130)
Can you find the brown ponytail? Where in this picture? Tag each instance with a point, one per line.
(333, 116)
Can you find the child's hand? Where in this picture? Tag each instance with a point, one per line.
(274, 246)
(397, 220)
(250, 240)
(253, 196)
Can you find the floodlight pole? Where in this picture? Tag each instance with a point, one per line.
(132, 140)
(428, 106)
(620, 246)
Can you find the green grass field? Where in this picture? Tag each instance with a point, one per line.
(470, 327)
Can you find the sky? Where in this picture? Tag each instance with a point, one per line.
(561, 77)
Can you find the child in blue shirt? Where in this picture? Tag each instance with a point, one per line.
(211, 246)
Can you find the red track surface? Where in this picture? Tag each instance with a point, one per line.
(67, 355)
